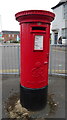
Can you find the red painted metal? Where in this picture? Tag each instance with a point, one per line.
(34, 24)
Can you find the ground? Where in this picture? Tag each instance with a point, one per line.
(55, 107)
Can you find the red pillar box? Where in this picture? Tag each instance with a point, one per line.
(34, 48)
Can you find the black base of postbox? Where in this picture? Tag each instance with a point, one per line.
(33, 99)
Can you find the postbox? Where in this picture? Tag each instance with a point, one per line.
(34, 57)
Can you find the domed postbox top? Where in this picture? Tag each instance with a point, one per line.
(35, 16)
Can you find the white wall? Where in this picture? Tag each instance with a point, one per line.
(0, 24)
(59, 21)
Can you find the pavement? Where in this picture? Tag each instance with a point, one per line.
(56, 93)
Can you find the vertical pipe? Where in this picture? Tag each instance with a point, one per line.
(50, 59)
(18, 59)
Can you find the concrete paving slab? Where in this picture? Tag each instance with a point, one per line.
(56, 93)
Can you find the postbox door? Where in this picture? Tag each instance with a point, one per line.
(40, 58)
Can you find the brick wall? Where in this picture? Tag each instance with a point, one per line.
(10, 35)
